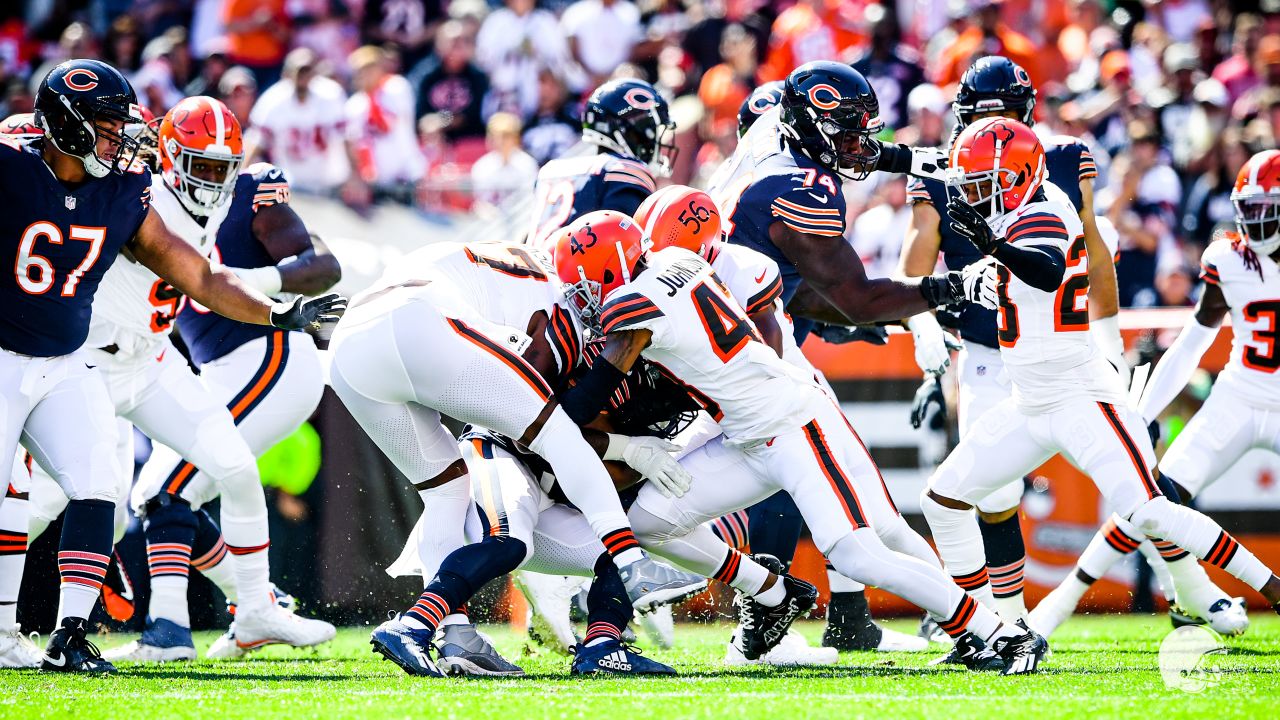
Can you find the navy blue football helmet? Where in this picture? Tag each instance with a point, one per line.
(830, 113)
(995, 84)
(73, 101)
(632, 119)
(760, 100)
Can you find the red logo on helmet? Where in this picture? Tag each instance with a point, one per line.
(1021, 76)
(89, 82)
(641, 99)
(831, 104)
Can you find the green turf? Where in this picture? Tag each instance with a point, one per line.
(1102, 667)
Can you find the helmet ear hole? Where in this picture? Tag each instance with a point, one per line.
(608, 277)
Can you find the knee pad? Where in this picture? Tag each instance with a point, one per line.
(1155, 516)
(1003, 499)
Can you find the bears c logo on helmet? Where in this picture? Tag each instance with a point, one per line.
(640, 99)
(821, 104)
(1021, 76)
(89, 82)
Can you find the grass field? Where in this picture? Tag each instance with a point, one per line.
(1102, 667)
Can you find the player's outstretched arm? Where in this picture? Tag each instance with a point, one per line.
(1179, 363)
(622, 348)
(1104, 293)
(311, 270)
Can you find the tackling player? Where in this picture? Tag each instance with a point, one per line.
(1241, 279)
(628, 123)
(1066, 397)
(76, 201)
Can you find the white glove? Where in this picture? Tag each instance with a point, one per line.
(265, 280)
(980, 281)
(651, 457)
(932, 354)
(928, 162)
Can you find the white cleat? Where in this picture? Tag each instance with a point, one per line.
(1230, 618)
(18, 650)
(659, 626)
(549, 597)
(273, 625)
(225, 647)
(139, 652)
(794, 650)
(894, 641)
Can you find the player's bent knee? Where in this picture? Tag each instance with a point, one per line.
(1154, 516)
(651, 530)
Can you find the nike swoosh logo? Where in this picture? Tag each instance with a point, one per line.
(820, 198)
(60, 662)
(90, 366)
(761, 278)
(160, 357)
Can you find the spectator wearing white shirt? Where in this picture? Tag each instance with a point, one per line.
(602, 34)
(513, 43)
(505, 174)
(381, 127)
(299, 125)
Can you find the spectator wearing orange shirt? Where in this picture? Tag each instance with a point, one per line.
(257, 36)
(725, 86)
(813, 30)
(987, 36)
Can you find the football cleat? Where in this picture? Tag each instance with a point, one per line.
(1021, 653)
(792, 651)
(932, 632)
(18, 650)
(617, 658)
(549, 597)
(70, 651)
(408, 647)
(971, 652)
(851, 628)
(1227, 616)
(225, 647)
(659, 626)
(761, 628)
(650, 583)
(273, 625)
(162, 641)
(465, 651)
(117, 591)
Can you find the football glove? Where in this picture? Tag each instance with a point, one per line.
(303, 312)
(840, 334)
(651, 457)
(968, 222)
(932, 353)
(929, 393)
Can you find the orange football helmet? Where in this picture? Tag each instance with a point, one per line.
(22, 127)
(596, 255)
(200, 153)
(1256, 198)
(997, 164)
(681, 216)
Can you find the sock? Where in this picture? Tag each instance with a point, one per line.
(849, 615)
(447, 504)
(732, 529)
(1006, 558)
(462, 574)
(608, 607)
(14, 513)
(248, 542)
(774, 596)
(209, 556)
(742, 573)
(1116, 539)
(1191, 585)
(1201, 536)
(170, 531)
(840, 585)
(585, 482)
(959, 542)
(1158, 567)
(83, 556)
(774, 527)
(622, 546)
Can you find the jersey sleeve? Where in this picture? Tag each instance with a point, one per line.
(629, 311)
(917, 192)
(626, 185)
(268, 185)
(1214, 258)
(768, 289)
(814, 211)
(566, 343)
(1088, 167)
(1038, 228)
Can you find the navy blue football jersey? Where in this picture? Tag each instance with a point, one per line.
(766, 181)
(1068, 162)
(571, 187)
(209, 335)
(59, 244)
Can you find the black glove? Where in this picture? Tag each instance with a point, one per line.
(929, 393)
(839, 334)
(308, 311)
(969, 222)
(944, 289)
(1153, 429)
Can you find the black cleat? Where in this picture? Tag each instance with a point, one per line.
(972, 653)
(849, 624)
(1021, 653)
(70, 651)
(764, 627)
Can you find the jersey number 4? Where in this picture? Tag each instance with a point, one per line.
(35, 273)
(728, 328)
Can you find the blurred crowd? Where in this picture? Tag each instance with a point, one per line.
(452, 105)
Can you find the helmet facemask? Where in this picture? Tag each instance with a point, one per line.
(87, 124)
(985, 190)
(585, 299)
(201, 196)
(1258, 219)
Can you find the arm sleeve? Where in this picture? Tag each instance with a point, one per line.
(1040, 266)
(1175, 369)
(585, 400)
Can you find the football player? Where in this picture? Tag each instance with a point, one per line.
(995, 86)
(77, 200)
(1066, 398)
(629, 124)
(473, 331)
(1241, 278)
(155, 390)
(781, 431)
(781, 195)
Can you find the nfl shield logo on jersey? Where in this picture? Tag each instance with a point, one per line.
(71, 202)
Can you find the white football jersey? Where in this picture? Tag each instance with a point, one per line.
(702, 337)
(305, 139)
(1044, 336)
(134, 307)
(1253, 293)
